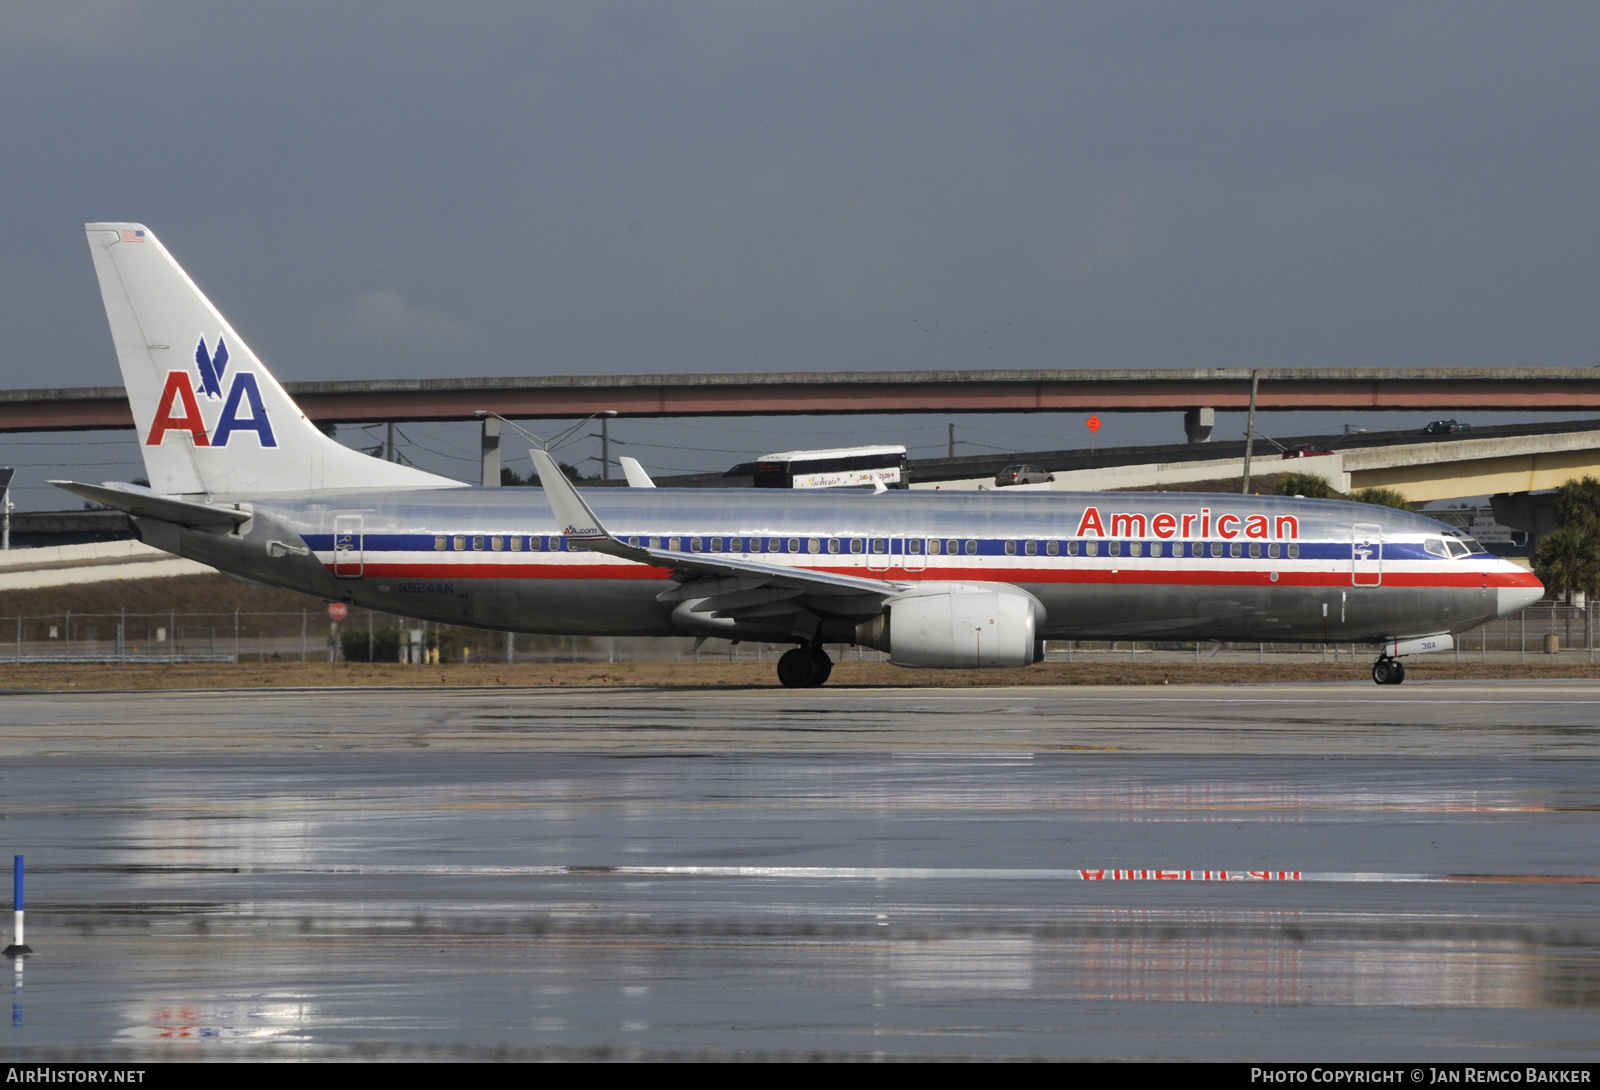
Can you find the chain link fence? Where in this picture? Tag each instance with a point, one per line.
(1546, 632)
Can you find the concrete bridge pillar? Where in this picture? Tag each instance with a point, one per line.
(1197, 424)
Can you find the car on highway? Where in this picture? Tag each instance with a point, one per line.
(1306, 450)
(1445, 427)
(1022, 475)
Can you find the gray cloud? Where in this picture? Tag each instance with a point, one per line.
(629, 187)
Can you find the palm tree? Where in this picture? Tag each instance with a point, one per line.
(1568, 562)
(1578, 504)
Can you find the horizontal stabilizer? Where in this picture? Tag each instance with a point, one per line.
(146, 504)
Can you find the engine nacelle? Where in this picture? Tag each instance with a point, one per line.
(958, 626)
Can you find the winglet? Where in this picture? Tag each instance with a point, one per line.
(637, 477)
(579, 525)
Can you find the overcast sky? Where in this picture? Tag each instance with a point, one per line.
(396, 189)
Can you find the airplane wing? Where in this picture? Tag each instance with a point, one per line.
(146, 504)
(733, 587)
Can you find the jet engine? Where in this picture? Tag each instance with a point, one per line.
(958, 626)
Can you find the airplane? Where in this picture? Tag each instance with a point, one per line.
(240, 479)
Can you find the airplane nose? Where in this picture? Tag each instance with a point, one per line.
(1515, 599)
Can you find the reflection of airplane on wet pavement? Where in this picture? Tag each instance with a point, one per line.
(241, 480)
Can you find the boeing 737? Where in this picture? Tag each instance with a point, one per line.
(241, 480)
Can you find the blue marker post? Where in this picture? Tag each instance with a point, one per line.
(17, 947)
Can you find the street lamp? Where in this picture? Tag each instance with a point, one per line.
(604, 416)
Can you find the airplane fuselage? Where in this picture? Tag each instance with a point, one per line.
(1180, 566)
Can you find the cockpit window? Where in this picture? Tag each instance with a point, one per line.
(1435, 545)
(1457, 548)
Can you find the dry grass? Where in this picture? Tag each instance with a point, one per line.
(746, 674)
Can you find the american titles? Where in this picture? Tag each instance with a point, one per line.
(1198, 525)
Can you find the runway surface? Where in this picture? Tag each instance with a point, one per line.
(1232, 872)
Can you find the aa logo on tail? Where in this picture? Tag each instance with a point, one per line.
(179, 410)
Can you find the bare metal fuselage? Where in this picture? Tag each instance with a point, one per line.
(1285, 569)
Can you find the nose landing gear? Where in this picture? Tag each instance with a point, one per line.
(1388, 671)
(804, 667)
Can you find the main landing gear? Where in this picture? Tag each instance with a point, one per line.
(804, 667)
(1388, 671)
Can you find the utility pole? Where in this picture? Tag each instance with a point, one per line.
(952, 439)
(6, 473)
(388, 446)
(1250, 433)
(605, 448)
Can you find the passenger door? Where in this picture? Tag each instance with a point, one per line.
(1366, 555)
(347, 546)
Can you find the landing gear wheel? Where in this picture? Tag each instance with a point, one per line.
(797, 669)
(1387, 671)
(824, 665)
(804, 667)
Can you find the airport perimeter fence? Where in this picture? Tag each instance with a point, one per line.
(1546, 632)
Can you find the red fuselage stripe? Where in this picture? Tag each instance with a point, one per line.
(1120, 576)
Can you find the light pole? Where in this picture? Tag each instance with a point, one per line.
(550, 444)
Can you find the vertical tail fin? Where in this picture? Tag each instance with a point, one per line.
(211, 418)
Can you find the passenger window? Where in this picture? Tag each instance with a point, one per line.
(855, 544)
(516, 544)
(1031, 548)
(694, 544)
(1294, 551)
(716, 544)
(1218, 549)
(1235, 549)
(972, 548)
(1155, 548)
(1255, 551)
(914, 547)
(833, 544)
(1272, 551)
(933, 547)
(879, 546)
(1114, 548)
(460, 543)
(438, 543)
(1052, 548)
(675, 544)
(813, 545)
(1135, 548)
(952, 547)
(495, 544)
(1011, 548)
(1091, 548)
(477, 543)
(794, 544)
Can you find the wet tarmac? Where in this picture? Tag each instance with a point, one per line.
(1242, 872)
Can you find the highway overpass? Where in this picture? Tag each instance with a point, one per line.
(1429, 391)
